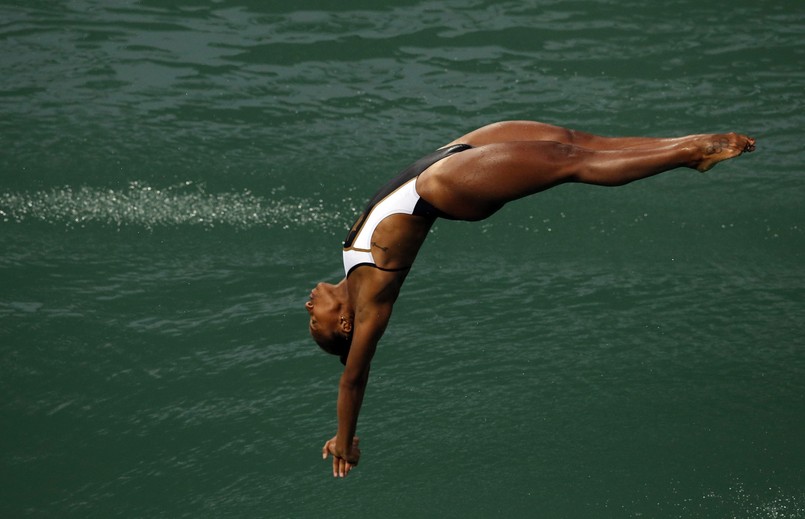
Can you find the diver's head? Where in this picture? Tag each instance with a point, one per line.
(330, 322)
(334, 344)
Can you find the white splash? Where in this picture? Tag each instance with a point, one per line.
(142, 205)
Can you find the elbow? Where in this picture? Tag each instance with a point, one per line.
(351, 381)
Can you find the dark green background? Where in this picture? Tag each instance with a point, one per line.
(174, 177)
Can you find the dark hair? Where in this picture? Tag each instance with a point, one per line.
(335, 344)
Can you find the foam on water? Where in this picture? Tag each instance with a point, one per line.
(740, 502)
(140, 205)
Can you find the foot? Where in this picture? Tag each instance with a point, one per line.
(715, 148)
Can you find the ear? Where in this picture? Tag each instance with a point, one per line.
(345, 325)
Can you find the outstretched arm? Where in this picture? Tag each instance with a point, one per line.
(370, 323)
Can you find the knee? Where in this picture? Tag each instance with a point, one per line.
(590, 172)
(578, 164)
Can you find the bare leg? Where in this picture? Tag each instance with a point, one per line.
(510, 131)
(473, 184)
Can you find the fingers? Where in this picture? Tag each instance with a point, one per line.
(326, 449)
(346, 467)
(341, 467)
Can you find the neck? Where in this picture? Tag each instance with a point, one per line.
(342, 290)
(342, 286)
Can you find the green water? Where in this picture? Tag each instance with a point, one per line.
(174, 177)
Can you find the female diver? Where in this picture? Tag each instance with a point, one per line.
(468, 179)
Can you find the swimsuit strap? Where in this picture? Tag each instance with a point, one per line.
(367, 264)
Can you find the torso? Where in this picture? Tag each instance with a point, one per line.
(397, 240)
(392, 228)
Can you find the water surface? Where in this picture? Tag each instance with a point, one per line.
(175, 176)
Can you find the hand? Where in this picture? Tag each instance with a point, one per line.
(342, 463)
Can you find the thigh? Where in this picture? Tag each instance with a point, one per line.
(510, 131)
(473, 184)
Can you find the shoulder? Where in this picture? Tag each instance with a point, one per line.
(369, 285)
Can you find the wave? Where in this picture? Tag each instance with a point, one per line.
(185, 204)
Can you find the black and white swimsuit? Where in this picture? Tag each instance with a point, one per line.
(399, 196)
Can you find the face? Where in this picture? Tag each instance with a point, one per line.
(323, 307)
